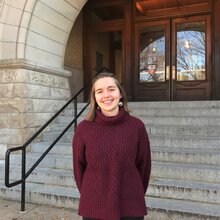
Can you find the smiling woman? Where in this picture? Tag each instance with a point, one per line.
(111, 156)
(106, 91)
(107, 96)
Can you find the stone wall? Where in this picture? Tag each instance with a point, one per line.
(28, 99)
(74, 56)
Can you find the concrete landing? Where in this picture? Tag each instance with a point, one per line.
(10, 210)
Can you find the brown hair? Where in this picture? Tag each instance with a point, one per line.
(93, 105)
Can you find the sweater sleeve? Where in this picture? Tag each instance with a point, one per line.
(79, 160)
(143, 161)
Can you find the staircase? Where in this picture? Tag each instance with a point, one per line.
(185, 145)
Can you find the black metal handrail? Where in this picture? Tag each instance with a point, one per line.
(22, 148)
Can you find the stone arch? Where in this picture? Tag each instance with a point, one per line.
(36, 31)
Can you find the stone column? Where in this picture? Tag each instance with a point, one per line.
(28, 98)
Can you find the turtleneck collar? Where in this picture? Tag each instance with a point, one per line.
(111, 120)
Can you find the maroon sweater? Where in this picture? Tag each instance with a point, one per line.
(112, 165)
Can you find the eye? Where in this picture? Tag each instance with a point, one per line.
(99, 92)
(112, 89)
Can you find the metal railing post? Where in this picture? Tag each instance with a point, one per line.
(23, 185)
(75, 112)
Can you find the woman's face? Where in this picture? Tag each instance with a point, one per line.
(107, 95)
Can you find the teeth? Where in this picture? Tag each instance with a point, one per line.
(107, 101)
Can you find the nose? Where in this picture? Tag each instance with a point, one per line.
(106, 93)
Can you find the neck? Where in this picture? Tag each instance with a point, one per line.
(100, 118)
(110, 113)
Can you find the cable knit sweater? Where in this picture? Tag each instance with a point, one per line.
(112, 163)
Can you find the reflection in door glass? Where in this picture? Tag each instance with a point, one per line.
(152, 54)
(191, 51)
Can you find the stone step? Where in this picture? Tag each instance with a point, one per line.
(183, 171)
(185, 190)
(185, 142)
(43, 175)
(51, 136)
(191, 156)
(163, 188)
(50, 195)
(165, 129)
(68, 197)
(176, 104)
(184, 130)
(174, 209)
(175, 139)
(215, 104)
(59, 148)
(160, 120)
(50, 161)
(181, 155)
(174, 112)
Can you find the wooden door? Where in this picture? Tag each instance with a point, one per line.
(191, 58)
(152, 48)
(173, 60)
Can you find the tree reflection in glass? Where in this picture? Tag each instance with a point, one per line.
(191, 51)
(152, 54)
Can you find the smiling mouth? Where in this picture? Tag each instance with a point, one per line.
(107, 102)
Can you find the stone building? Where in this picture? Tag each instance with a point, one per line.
(163, 52)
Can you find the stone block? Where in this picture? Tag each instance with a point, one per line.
(8, 33)
(17, 120)
(47, 105)
(44, 43)
(17, 4)
(44, 58)
(31, 91)
(52, 16)
(36, 119)
(18, 105)
(11, 136)
(44, 28)
(29, 7)
(63, 8)
(20, 50)
(4, 120)
(78, 4)
(11, 15)
(3, 149)
(9, 50)
(22, 35)
(6, 90)
(57, 93)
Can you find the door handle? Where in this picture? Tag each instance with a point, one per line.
(167, 72)
(173, 72)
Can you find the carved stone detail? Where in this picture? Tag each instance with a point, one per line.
(47, 80)
(8, 75)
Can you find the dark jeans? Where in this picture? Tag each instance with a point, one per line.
(123, 218)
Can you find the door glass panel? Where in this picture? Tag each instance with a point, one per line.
(191, 51)
(152, 54)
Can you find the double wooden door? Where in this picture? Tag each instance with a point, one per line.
(172, 59)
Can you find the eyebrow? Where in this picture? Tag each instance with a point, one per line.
(109, 87)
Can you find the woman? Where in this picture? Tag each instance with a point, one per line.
(111, 155)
